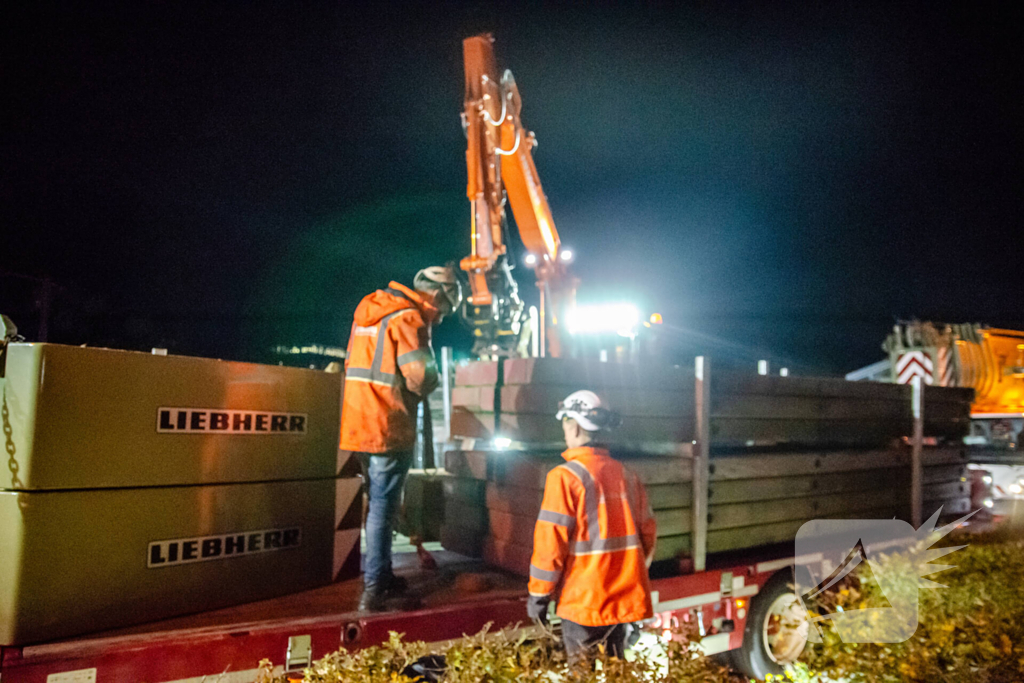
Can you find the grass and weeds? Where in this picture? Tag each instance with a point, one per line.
(970, 631)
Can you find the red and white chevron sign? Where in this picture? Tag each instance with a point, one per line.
(914, 364)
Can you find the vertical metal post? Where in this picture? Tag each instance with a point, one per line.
(446, 389)
(534, 332)
(701, 462)
(916, 472)
(543, 323)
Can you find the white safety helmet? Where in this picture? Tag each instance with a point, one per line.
(440, 277)
(588, 410)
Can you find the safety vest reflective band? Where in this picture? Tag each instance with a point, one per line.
(595, 546)
(413, 356)
(557, 518)
(373, 374)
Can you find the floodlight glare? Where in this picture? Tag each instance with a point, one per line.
(502, 442)
(621, 319)
(531, 259)
(566, 255)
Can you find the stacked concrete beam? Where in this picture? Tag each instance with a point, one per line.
(783, 451)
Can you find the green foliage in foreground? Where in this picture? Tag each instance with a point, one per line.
(973, 630)
(499, 658)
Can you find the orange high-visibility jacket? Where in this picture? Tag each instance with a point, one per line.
(389, 368)
(594, 536)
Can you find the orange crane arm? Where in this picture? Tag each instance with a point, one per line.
(499, 164)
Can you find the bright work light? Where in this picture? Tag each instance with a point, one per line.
(566, 255)
(531, 259)
(620, 319)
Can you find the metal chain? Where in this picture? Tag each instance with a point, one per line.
(12, 463)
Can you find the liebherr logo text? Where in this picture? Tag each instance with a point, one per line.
(204, 548)
(203, 420)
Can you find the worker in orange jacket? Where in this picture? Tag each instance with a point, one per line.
(594, 537)
(389, 369)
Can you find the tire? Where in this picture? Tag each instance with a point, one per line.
(757, 657)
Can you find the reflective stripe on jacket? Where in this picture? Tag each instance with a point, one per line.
(389, 368)
(593, 538)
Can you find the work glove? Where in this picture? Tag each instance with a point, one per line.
(537, 608)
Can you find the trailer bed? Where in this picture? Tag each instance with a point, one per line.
(460, 597)
(231, 641)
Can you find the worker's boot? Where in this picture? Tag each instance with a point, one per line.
(373, 599)
(375, 595)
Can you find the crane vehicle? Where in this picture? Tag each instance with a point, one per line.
(986, 359)
(500, 171)
(991, 362)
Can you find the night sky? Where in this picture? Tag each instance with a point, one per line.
(780, 181)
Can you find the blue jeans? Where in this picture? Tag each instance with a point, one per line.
(385, 477)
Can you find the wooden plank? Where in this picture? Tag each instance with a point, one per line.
(961, 395)
(947, 491)
(813, 507)
(654, 471)
(732, 382)
(467, 424)
(513, 557)
(506, 528)
(476, 373)
(777, 532)
(764, 431)
(775, 488)
(752, 537)
(593, 375)
(461, 541)
(468, 464)
(950, 506)
(543, 399)
(634, 431)
(673, 522)
(423, 505)
(514, 499)
(474, 399)
(469, 518)
(795, 464)
(667, 496)
(745, 383)
(825, 408)
(944, 473)
(932, 457)
(506, 468)
(466, 490)
(672, 547)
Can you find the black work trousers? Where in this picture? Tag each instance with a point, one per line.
(584, 642)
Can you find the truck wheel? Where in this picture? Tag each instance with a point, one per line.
(776, 630)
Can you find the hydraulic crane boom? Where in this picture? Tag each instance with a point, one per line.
(499, 162)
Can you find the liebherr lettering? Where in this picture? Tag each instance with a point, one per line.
(204, 548)
(213, 420)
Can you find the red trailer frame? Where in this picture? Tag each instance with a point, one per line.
(716, 599)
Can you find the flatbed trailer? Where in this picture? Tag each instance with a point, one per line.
(227, 645)
(222, 486)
